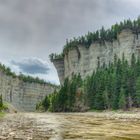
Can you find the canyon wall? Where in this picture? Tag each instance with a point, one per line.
(85, 60)
(59, 65)
(22, 95)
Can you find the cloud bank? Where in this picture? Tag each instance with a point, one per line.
(32, 66)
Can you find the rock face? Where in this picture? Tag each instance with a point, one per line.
(85, 60)
(59, 64)
(23, 96)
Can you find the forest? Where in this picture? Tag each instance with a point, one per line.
(99, 36)
(111, 87)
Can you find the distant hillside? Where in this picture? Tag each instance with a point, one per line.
(23, 92)
(25, 78)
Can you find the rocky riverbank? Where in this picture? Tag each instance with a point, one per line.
(71, 126)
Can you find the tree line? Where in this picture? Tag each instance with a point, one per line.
(25, 78)
(113, 86)
(100, 36)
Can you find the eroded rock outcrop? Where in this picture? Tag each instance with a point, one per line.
(22, 95)
(84, 60)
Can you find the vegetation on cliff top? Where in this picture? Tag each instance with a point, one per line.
(99, 36)
(30, 79)
(116, 86)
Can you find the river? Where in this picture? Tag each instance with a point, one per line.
(70, 126)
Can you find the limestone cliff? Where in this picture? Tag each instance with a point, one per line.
(22, 95)
(83, 60)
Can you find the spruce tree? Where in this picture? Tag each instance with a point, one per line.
(99, 101)
(106, 99)
(46, 103)
(1, 102)
(122, 100)
(138, 91)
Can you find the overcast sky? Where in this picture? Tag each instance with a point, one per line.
(32, 29)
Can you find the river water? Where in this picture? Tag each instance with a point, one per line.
(70, 126)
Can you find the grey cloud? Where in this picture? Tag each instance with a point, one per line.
(32, 66)
(35, 23)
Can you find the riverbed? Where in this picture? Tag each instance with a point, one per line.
(70, 126)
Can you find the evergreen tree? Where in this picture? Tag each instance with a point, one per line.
(138, 91)
(99, 101)
(1, 102)
(106, 100)
(46, 103)
(122, 100)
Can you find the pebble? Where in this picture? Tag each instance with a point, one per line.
(3, 138)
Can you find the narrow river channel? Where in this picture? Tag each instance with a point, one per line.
(70, 126)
